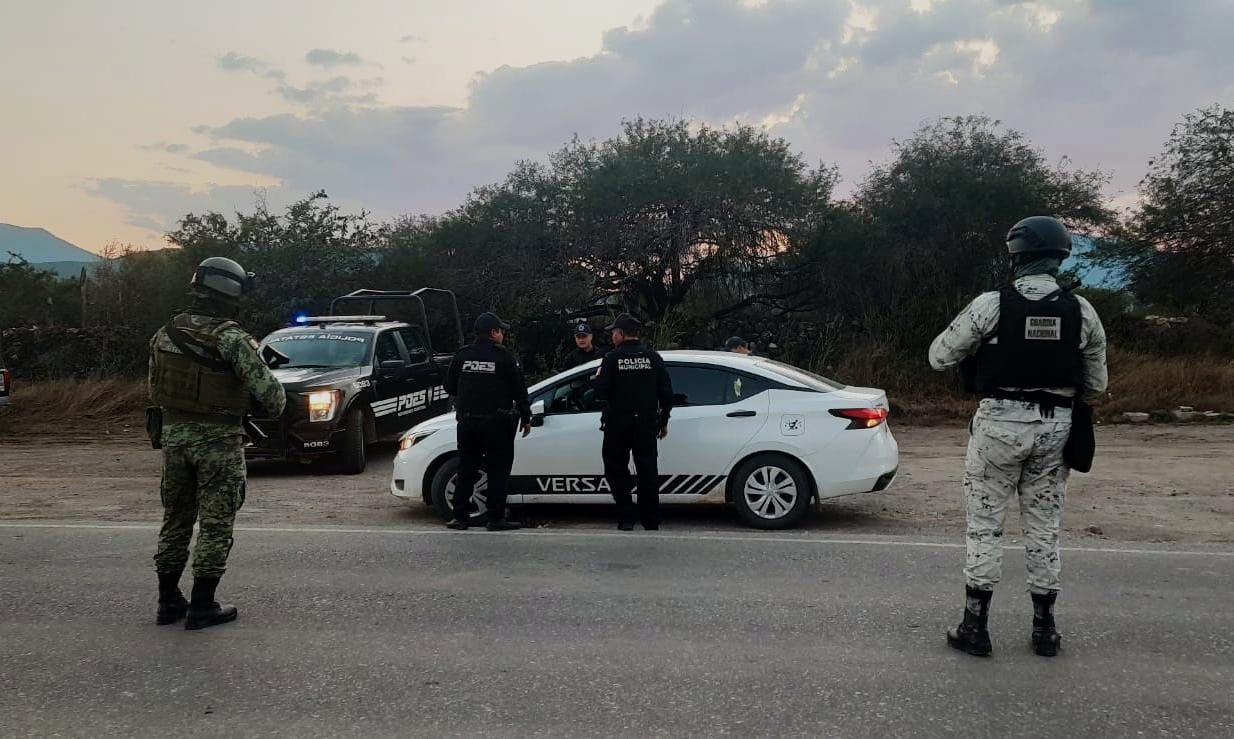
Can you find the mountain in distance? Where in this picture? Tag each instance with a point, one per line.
(37, 245)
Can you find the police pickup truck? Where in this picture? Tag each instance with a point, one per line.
(352, 380)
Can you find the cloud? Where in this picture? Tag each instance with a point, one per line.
(335, 91)
(233, 62)
(409, 60)
(158, 206)
(411, 39)
(1101, 81)
(163, 146)
(329, 58)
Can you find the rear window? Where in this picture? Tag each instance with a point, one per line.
(802, 377)
(324, 348)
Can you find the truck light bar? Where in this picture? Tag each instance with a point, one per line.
(303, 320)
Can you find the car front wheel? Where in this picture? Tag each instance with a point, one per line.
(443, 492)
(771, 491)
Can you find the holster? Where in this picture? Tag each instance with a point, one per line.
(154, 426)
(1081, 444)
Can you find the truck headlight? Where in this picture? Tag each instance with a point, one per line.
(322, 405)
(410, 439)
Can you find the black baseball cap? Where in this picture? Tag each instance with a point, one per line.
(582, 328)
(626, 322)
(488, 322)
(733, 342)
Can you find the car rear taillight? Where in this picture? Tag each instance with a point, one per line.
(861, 418)
(6, 377)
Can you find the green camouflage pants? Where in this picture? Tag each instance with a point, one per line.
(1015, 453)
(202, 483)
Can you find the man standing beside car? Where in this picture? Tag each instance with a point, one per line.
(490, 395)
(585, 349)
(639, 394)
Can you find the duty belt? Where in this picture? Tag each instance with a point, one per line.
(1046, 402)
(494, 416)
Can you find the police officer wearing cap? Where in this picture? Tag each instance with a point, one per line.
(1034, 350)
(736, 345)
(634, 381)
(490, 398)
(585, 349)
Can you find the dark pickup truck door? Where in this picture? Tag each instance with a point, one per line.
(426, 379)
(410, 392)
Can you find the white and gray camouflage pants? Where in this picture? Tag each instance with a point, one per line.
(1015, 452)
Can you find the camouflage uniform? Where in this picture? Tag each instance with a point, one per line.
(1014, 451)
(203, 457)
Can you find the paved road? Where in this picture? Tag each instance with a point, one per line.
(371, 632)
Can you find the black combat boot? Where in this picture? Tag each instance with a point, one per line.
(971, 635)
(172, 605)
(458, 524)
(203, 610)
(1046, 641)
(502, 523)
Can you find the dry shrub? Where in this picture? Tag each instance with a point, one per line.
(1140, 382)
(86, 407)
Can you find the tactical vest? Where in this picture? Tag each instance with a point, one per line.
(188, 374)
(1038, 344)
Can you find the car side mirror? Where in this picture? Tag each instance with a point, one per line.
(417, 356)
(537, 413)
(392, 364)
(273, 358)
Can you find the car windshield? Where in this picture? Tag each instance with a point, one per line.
(323, 349)
(803, 377)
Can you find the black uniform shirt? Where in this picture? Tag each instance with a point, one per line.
(578, 356)
(633, 379)
(484, 380)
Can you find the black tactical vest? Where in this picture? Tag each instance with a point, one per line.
(1038, 344)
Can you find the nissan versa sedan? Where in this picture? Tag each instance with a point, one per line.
(765, 437)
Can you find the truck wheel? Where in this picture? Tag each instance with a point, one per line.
(443, 490)
(771, 491)
(353, 458)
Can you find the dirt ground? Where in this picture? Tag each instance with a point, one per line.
(1150, 484)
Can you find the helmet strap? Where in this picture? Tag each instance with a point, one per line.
(207, 304)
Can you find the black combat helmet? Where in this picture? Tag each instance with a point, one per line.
(1039, 235)
(221, 277)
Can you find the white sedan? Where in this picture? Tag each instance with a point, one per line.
(763, 436)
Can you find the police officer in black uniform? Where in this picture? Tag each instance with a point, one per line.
(585, 349)
(633, 380)
(490, 396)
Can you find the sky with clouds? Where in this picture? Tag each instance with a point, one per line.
(120, 117)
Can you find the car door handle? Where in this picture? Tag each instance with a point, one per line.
(742, 414)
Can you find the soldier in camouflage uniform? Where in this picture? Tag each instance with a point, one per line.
(204, 374)
(1035, 347)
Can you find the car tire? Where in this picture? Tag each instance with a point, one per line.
(353, 457)
(443, 489)
(771, 491)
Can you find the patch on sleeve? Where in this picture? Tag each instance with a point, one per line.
(1043, 328)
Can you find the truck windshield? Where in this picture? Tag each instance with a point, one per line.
(322, 348)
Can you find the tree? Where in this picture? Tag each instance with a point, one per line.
(926, 232)
(668, 206)
(30, 296)
(1179, 241)
(303, 258)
